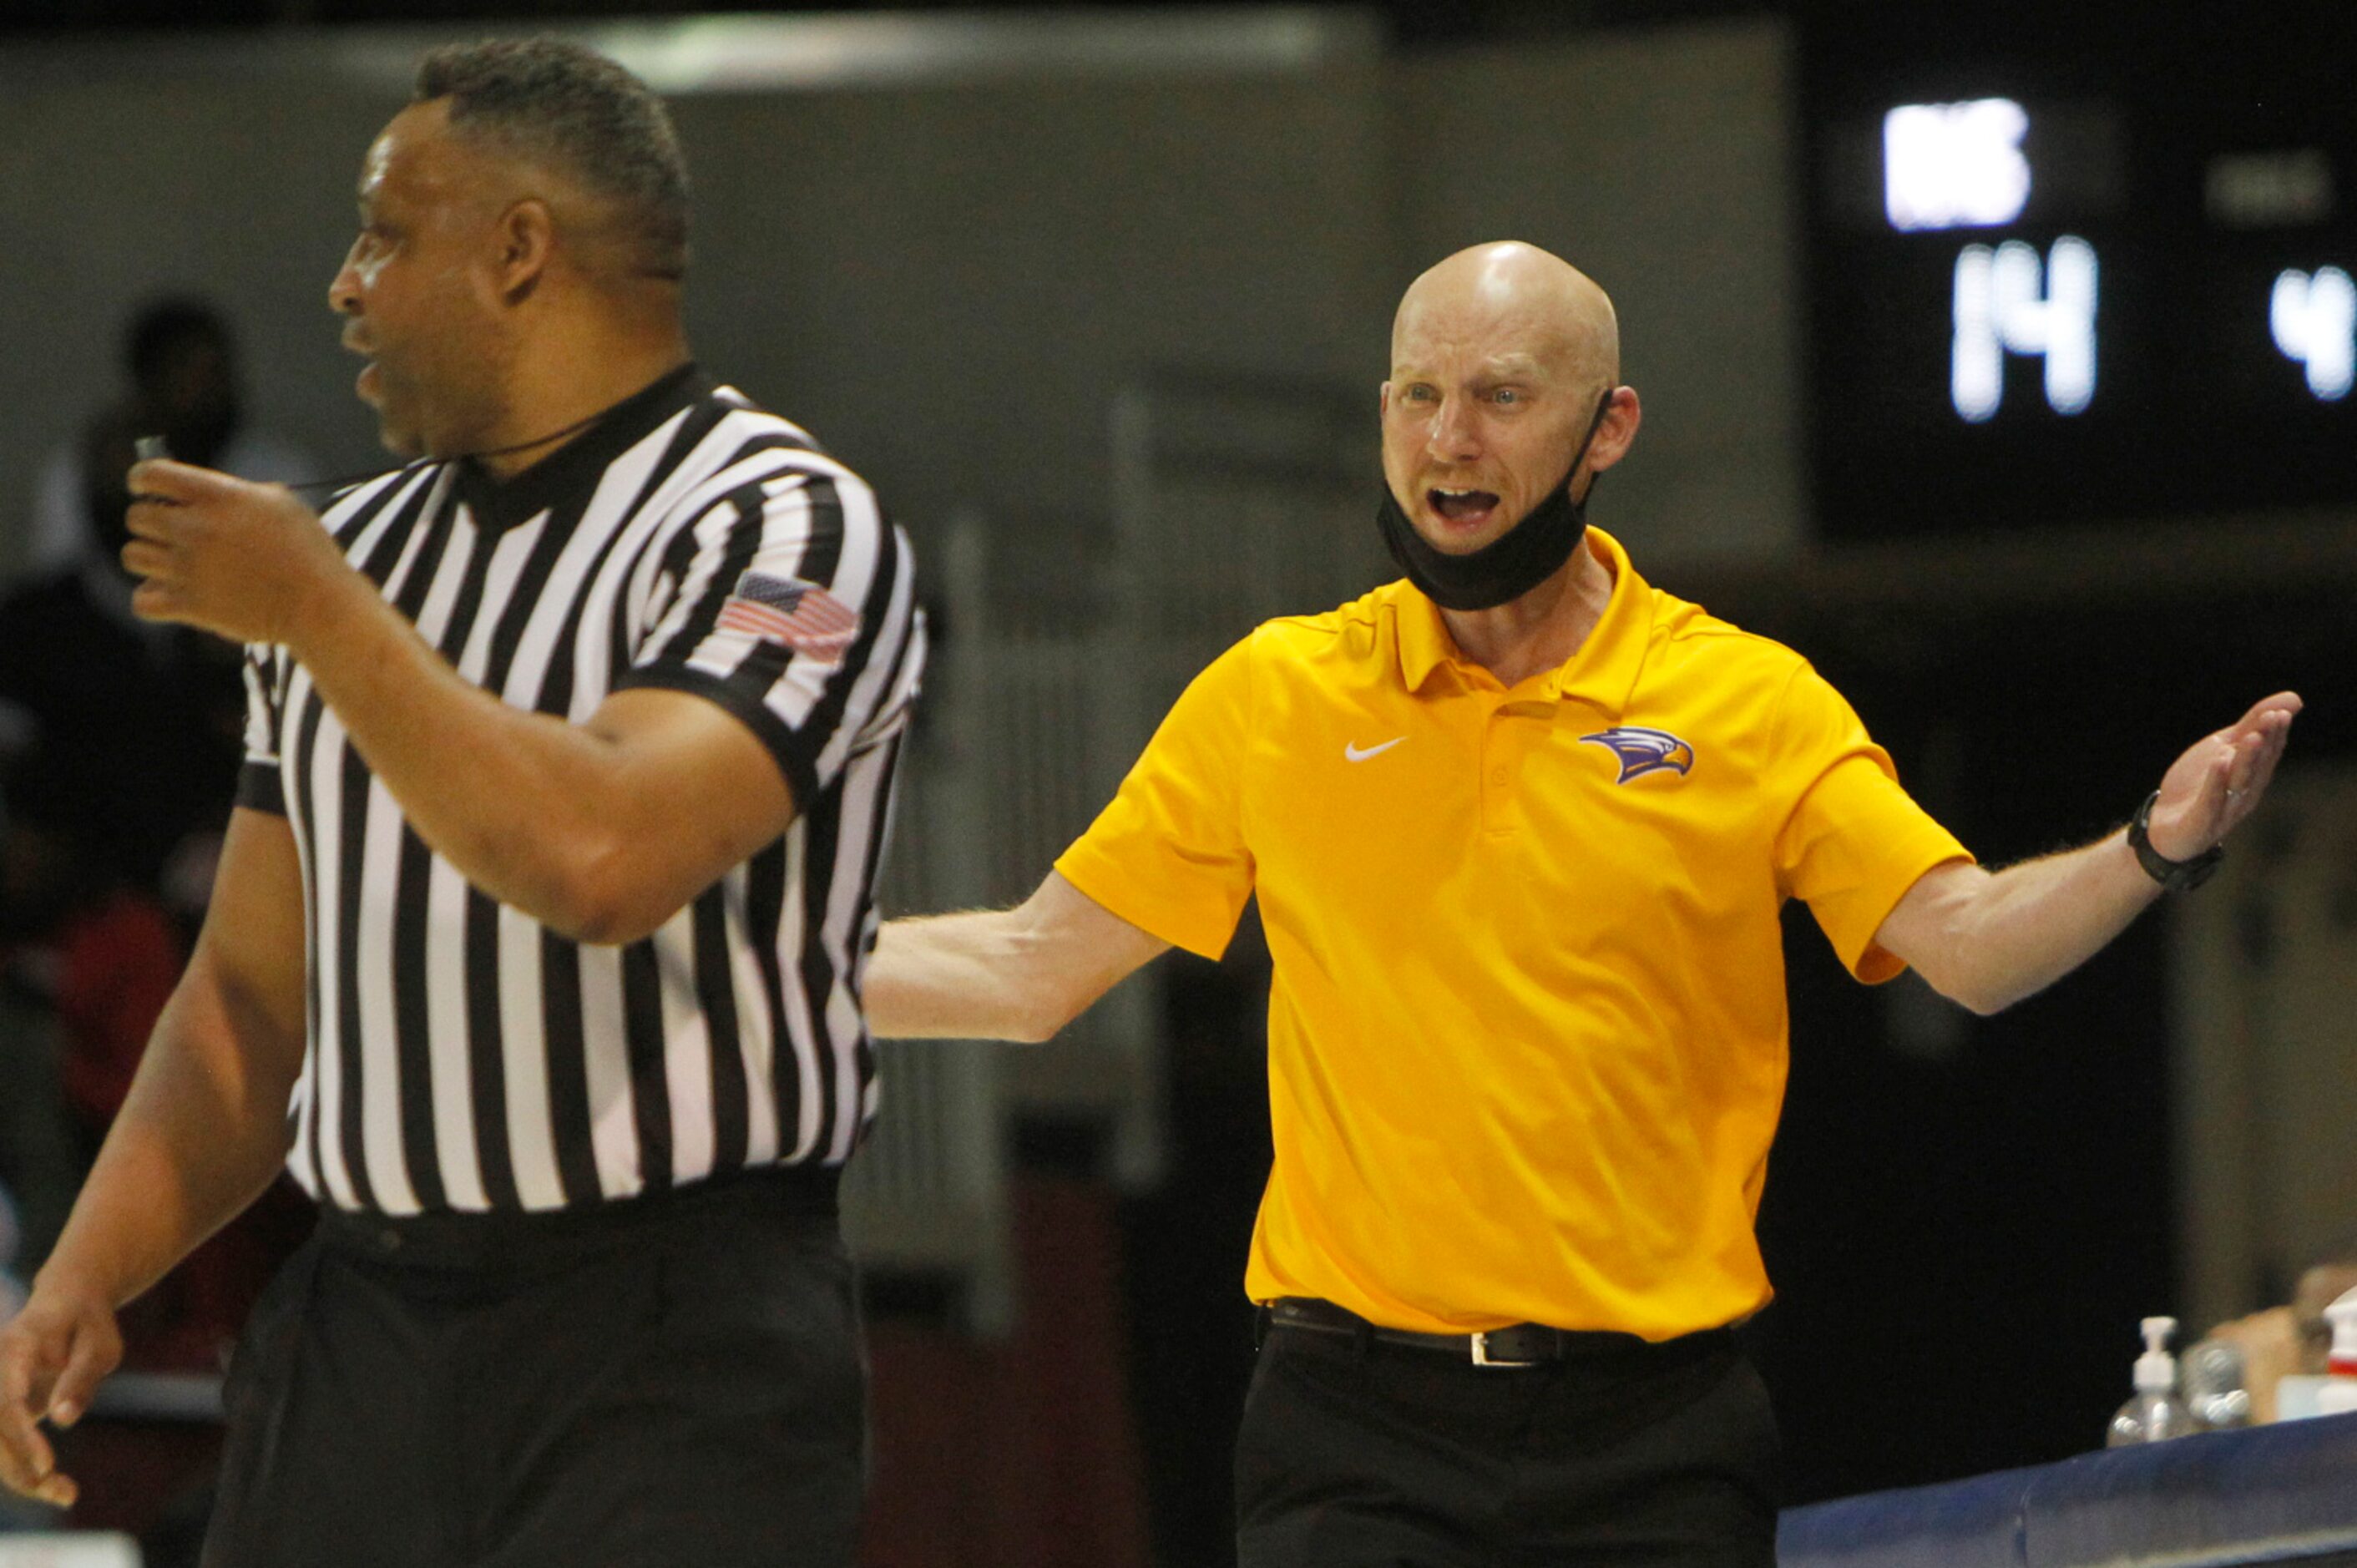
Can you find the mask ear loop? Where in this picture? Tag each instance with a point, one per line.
(1594, 425)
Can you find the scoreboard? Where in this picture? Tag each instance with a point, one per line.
(2080, 271)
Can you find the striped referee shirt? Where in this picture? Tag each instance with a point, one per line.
(460, 1055)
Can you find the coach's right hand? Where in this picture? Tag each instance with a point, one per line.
(52, 1356)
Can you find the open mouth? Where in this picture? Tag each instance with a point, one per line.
(1466, 508)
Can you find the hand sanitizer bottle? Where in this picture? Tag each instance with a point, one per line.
(2339, 1394)
(2154, 1412)
(2210, 1381)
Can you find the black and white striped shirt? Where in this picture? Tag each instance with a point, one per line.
(463, 1056)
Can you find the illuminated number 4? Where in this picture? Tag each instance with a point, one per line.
(2314, 319)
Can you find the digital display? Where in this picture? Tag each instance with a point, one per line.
(1952, 166)
(2313, 317)
(2051, 281)
(2012, 300)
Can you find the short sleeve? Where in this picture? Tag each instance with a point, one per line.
(1854, 841)
(1168, 854)
(259, 785)
(792, 604)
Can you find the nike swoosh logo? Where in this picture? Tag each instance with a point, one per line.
(1353, 754)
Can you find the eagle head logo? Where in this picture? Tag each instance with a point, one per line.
(1644, 751)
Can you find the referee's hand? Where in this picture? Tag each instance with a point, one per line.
(52, 1356)
(243, 561)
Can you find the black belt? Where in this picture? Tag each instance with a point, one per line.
(512, 1242)
(1521, 1345)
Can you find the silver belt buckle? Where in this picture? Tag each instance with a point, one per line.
(1481, 1357)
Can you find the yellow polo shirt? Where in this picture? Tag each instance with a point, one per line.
(1527, 1024)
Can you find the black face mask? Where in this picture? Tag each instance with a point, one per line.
(1510, 566)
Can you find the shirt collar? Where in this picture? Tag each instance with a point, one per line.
(1423, 637)
(1602, 672)
(572, 468)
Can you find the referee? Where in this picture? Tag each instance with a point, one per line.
(1518, 827)
(535, 952)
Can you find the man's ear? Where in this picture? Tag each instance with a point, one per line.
(527, 241)
(1617, 432)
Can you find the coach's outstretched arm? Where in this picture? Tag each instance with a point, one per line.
(1989, 939)
(201, 1133)
(601, 829)
(1001, 974)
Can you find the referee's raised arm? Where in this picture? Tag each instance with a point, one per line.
(201, 1133)
(601, 829)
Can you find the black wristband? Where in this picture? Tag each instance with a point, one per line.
(2175, 875)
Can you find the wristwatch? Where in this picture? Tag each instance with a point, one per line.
(2175, 876)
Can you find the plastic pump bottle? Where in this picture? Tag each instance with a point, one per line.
(2339, 1394)
(2154, 1412)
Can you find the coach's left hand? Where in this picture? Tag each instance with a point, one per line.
(2220, 778)
(247, 562)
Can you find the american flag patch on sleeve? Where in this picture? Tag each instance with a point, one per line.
(802, 616)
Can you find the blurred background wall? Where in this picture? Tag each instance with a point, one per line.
(946, 272)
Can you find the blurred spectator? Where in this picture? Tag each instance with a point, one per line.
(15, 1513)
(182, 361)
(98, 953)
(2293, 1338)
(89, 960)
(12, 1289)
(40, 1157)
(120, 741)
(143, 723)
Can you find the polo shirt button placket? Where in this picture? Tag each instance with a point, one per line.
(1497, 775)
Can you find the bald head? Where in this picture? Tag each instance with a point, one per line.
(1518, 294)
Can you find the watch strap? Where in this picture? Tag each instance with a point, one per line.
(2175, 875)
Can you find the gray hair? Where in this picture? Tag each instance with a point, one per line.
(574, 112)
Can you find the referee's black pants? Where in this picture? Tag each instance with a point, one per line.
(669, 1381)
(1362, 1454)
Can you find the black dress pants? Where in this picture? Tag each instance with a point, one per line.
(1359, 1454)
(668, 1381)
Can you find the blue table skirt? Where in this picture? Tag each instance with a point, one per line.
(2267, 1495)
